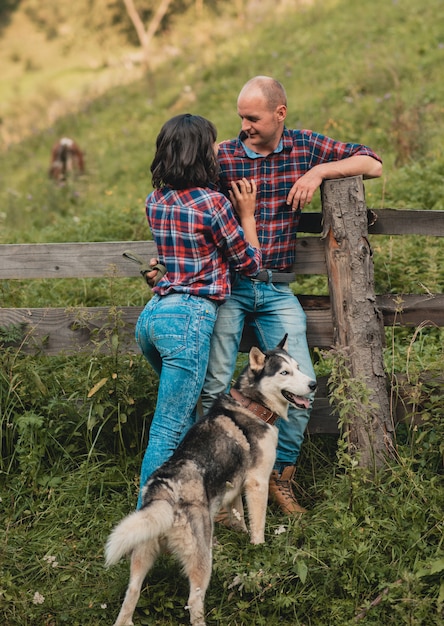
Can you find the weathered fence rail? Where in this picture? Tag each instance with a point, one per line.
(71, 330)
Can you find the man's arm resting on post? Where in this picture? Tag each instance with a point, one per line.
(358, 165)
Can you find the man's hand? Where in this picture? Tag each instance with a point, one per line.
(303, 190)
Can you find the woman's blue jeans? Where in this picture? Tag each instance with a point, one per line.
(272, 310)
(174, 333)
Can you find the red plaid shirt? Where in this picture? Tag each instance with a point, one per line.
(275, 174)
(199, 240)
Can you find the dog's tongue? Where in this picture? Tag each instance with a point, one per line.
(300, 402)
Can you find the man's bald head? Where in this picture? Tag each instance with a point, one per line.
(270, 89)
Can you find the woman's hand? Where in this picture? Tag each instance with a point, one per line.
(243, 197)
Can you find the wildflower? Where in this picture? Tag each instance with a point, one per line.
(280, 530)
(51, 560)
(38, 598)
(236, 514)
(237, 582)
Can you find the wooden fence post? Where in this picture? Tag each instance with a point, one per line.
(357, 322)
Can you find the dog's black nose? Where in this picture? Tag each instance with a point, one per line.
(313, 385)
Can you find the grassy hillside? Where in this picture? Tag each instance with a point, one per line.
(358, 73)
(370, 74)
(370, 550)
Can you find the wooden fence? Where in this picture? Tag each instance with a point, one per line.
(52, 331)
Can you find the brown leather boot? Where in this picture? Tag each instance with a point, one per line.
(281, 492)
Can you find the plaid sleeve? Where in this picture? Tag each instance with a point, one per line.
(323, 149)
(230, 239)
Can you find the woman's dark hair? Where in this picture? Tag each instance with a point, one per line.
(185, 153)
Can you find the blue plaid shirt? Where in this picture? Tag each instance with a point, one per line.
(275, 174)
(199, 240)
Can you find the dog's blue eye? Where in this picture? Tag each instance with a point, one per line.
(284, 372)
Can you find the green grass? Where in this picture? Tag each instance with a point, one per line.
(362, 538)
(71, 451)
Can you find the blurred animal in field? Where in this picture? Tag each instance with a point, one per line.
(67, 159)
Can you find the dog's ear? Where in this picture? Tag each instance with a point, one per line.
(257, 359)
(283, 343)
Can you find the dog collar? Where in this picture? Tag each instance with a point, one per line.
(258, 409)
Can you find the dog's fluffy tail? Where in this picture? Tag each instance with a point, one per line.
(136, 528)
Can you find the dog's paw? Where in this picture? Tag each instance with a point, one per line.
(257, 540)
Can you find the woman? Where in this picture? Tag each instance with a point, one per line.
(199, 241)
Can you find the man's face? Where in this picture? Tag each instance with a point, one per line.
(262, 126)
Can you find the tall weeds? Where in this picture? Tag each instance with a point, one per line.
(369, 551)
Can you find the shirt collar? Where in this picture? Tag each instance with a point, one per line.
(284, 144)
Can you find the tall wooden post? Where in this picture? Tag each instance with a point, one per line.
(357, 322)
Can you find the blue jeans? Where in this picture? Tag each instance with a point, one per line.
(271, 310)
(174, 335)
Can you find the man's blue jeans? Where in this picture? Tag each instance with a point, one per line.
(272, 310)
(174, 334)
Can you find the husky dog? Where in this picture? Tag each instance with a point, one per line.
(230, 451)
(66, 158)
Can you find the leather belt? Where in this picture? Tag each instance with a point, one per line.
(276, 277)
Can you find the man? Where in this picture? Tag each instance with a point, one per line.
(288, 167)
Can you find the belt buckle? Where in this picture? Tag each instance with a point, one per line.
(264, 276)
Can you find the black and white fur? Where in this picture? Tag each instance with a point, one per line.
(227, 453)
